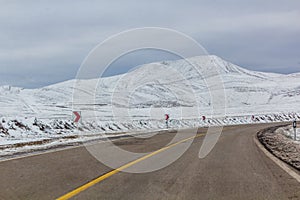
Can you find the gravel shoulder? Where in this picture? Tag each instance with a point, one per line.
(281, 145)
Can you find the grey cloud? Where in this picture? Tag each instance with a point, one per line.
(53, 37)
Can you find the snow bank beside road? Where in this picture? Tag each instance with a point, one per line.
(289, 132)
(27, 134)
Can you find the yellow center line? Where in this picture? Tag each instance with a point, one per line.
(109, 174)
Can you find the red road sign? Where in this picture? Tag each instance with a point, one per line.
(167, 116)
(77, 116)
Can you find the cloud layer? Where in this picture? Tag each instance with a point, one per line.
(43, 42)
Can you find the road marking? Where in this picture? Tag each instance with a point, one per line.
(115, 171)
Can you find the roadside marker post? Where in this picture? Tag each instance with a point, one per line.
(76, 116)
(167, 116)
(295, 130)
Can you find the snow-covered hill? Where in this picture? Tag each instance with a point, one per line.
(167, 84)
(182, 88)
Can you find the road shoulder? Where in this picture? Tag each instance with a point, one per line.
(288, 169)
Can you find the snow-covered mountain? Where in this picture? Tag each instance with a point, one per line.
(169, 84)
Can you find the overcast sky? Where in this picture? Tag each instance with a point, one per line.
(43, 42)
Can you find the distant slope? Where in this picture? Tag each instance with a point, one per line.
(168, 84)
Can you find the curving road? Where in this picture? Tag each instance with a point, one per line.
(235, 169)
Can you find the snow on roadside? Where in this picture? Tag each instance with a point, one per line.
(27, 134)
(288, 131)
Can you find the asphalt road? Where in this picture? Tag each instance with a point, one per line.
(235, 169)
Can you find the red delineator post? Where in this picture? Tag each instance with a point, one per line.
(167, 116)
(77, 116)
(167, 120)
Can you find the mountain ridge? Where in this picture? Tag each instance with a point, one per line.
(166, 84)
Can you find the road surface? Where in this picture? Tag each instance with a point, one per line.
(235, 169)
